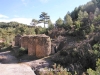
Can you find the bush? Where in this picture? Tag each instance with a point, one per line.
(83, 56)
(22, 51)
(91, 72)
(55, 70)
(97, 72)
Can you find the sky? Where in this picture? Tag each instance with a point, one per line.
(23, 11)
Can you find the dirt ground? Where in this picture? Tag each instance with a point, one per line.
(9, 61)
(15, 69)
(7, 57)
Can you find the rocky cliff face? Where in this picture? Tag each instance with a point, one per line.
(38, 45)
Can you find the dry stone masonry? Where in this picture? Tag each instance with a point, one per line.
(24, 41)
(37, 45)
(18, 40)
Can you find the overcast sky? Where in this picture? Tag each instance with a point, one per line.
(23, 11)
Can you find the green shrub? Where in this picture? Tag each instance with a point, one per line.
(96, 46)
(86, 58)
(63, 52)
(91, 72)
(96, 50)
(22, 51)
(97, 71)
(55, 70)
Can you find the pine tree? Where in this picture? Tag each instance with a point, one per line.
(68, 20)
(44, 18)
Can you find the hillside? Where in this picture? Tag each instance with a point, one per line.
(77, 39)
(75, 42)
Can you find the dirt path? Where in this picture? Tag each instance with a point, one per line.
(7, 58)
(9, 61)
(15, 69)
(40, 63)
(10, 66)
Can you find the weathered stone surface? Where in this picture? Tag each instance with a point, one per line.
(32, 45)
(24, 41)
(37, 45)
(43, 46)
(18, 40)
(15, 69)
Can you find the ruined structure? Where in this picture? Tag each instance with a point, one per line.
(24, 41)
(18, 40)
(37, 45)
(43, 46)
(32, 45)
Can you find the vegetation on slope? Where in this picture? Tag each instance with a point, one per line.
(82, 23)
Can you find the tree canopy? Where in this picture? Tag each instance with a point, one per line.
(44, 18)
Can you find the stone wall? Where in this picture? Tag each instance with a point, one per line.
(37, 45)
(43, 46)
(32, 45)
(24, 41)
(18, 40)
